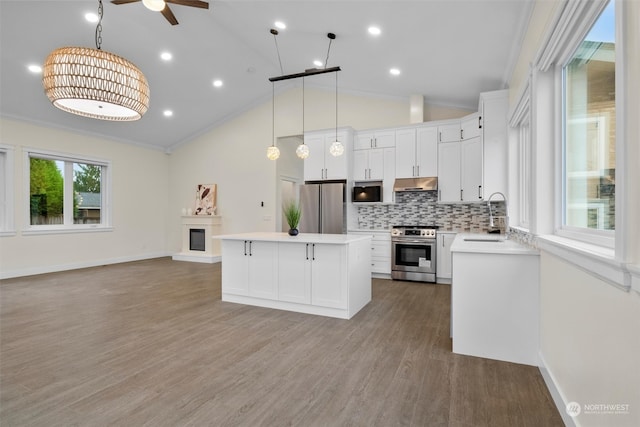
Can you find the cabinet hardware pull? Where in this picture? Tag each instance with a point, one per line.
(461, 198)
(479, 122)
(439, 136)
(375, 142)
(461, 133)
(250, 248)
(418, 170)
(307, 251)
(313, 251)
(479, 191)
(245, 248)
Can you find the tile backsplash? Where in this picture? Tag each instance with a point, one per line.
(422, 208)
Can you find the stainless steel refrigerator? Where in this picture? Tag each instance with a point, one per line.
(323, 208)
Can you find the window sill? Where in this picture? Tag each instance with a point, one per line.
(8, 233)
(64, 230)
(596, 260)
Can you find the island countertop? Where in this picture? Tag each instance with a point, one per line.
(489, 244)
(330, 239)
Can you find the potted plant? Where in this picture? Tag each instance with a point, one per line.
(292, 213)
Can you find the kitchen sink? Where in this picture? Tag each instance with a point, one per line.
(483, 239)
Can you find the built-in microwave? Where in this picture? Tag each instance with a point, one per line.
(367, 192)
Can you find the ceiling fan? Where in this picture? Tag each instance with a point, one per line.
(162, 6)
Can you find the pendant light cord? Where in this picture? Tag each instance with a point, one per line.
(303, 110)
(336, 107)
(99, 26)
(273, 114)
(326, 61)
(275, 39)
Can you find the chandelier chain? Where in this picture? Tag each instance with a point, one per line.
(99, 26)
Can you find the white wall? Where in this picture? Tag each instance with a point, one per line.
(233, 155)
(590, 329)
(139, 198)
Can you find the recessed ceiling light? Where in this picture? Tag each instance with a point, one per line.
(166, 56)
(217, 83)
(91, 17)
(374, 31)
(34, 68)
(317, 63)
(394, 72)
(167, 113)
(280, 25)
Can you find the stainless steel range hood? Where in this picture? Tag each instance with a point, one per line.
(416, 184)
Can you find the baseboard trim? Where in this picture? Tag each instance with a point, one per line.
(556, 394)
(75, 266)
(207, 259)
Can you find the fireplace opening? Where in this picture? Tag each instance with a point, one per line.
(196, 239)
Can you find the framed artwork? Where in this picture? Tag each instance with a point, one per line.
(206, 199)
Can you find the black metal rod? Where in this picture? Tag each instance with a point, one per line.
(311, 72)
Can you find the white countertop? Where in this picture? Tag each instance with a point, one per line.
(490, 244)
(332, 239)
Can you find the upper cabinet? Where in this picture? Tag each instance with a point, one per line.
(321, 164)
(374, 139)
(470, 127)
(493, 109)
(449, 133)
(417, 152)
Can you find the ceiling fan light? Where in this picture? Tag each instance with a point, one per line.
(155, 5)
(96, 84)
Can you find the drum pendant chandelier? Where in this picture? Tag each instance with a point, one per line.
(94, 83)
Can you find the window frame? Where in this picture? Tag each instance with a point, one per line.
(7, 223)
(520, 123)
(68, 226)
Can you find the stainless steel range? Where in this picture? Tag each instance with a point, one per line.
(413, 252)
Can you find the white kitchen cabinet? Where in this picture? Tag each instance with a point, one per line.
(368, 165)
(321, 164)
(449, 133)
(493, 109)
(380, 251)
(294, 267)
(250, 268)
(375, 139)
(443, 266)
(417, 152)
(460, 171)
(470, 127)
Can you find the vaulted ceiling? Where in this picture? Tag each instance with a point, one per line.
(446, 50)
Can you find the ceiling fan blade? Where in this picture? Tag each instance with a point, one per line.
(124, 1)
(192, 3)
(166, 12)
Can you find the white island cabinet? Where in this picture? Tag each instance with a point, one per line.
(324, 274)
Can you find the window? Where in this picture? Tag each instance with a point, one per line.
(67, 193)
(524, 169)
(6, 190)
(589, 119)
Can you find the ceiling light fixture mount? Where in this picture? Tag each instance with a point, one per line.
(162, 6)
(336, 148)
(94, 83)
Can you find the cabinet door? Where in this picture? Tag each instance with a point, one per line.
(471, 165)
(376, 164)
(389, 174)
(363, 141)
(294, 273)
(427, 151)
(263, 269)
(360, 165)
(406, 153)
(328, 276)
(449, 172)
(384, 139)
(470, 127)
(443, 268)
(314, 164)
(449, 133)
(235, 267)
(335, 166)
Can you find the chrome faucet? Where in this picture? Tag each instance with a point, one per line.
(505, 218)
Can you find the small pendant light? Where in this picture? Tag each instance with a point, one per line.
(273, 152)
(303, 150)
(336, 149)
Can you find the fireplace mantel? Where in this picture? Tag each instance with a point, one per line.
(193, 226)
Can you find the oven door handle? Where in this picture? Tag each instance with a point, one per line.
(425, 241)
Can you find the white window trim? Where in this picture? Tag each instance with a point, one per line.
(598, 257)
(106, 216)
(521, 114)
(8, 228)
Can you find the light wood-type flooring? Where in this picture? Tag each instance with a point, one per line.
(151, 343)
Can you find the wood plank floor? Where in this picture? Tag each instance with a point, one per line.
(150, 343)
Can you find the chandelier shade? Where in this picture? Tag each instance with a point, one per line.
(94, 83)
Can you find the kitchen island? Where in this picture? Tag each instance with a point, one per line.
(322, 274)
(494, 298)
